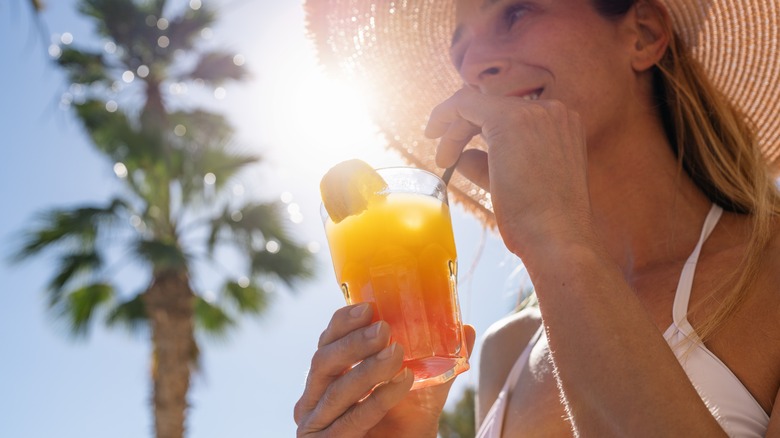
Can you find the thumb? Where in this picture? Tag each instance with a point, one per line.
(471, 336)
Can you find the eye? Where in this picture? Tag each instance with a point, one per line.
(513, 13)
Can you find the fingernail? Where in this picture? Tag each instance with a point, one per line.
(398, 378)
(373, 330)
(359, 310)
(387, 352)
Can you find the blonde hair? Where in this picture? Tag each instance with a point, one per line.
(715, 145)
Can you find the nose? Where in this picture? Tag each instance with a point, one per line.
(483, 62)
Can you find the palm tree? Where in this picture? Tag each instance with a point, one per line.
(173, 210)
(459, 422)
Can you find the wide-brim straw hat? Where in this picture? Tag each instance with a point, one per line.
(399, 51)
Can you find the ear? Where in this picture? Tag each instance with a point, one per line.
(652, 31)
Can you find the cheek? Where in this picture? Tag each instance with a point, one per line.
(591, 75)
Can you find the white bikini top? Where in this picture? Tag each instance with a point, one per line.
(735, 408)
(493, 423)
(730, 402)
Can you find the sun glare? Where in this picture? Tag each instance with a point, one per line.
(326, 121)
(309, 121)
(301, 120)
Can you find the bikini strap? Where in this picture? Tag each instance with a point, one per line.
(519, 365)
(683, 294)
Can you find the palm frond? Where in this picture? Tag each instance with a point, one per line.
(80, 305)
(221, 164)
(130, 314)
(238, 226)
(290, 263)
(114, 134)
(83, 67)
(121, 20)
(459, 421)
(71, 266)
(216, 68)
(79, 226)
(215, 228)
(184, 29)
(249, 298)
(263, 217)
(162, 255)
(211, 318)
(202, 129)
(225, 165)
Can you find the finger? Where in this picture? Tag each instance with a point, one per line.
(345, 320)
(332, 360)
(354, 385)
(459, 133)
(442, 116)
(362, 417)
(471, 335)
(446, 113)
(473, 165)
(342, 323)
(466, 104)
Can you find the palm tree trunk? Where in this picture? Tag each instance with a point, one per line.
(169, 303)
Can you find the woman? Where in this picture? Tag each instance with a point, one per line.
(616, 171)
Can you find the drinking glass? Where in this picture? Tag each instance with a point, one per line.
(399, 254)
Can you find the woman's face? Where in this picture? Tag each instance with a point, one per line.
(549, 49)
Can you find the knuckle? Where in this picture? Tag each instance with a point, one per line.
(318, 360)
(299, 411)
(323, 338)
(353, 348)
(382, 401)
(326, 336)
(328, 401)
(353, 420)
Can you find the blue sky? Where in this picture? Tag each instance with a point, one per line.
(54, 386)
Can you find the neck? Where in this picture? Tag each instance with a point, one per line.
(647, 211)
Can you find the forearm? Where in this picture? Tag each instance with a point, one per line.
(617, 374)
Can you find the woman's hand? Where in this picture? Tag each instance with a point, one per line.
(535, 167)
(335, 401)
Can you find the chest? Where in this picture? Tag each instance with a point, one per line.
(534, 407)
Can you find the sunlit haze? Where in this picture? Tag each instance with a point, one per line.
(298, 119)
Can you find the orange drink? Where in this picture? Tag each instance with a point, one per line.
(399, 253)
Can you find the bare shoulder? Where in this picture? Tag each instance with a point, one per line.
(769, 303)
(769, 274)
(502, 343)
(760, 316)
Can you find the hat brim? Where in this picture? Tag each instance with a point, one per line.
(400, 51)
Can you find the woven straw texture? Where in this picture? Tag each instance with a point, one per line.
(400, 49)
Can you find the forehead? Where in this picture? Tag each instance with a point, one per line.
(471, 11)
(467, 8)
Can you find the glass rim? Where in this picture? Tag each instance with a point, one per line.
(411, 168)
(324, 212)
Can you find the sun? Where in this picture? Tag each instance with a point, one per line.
(308, 121)
(300, 119)
(328, 120)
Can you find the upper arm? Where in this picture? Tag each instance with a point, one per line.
(502, 343)
(773, 270)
